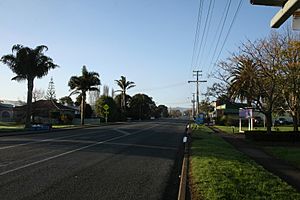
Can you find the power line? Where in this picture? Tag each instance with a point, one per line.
(214, 38)
(196, 39)
(209, 16)
(204, 31)
(228, 32)
(160, 87)
(230, 27)
(222, 28)
(198, 73)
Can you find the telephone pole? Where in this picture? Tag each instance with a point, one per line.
(193, 108)
(197, 73)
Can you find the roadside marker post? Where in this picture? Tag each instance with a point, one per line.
(106, 107)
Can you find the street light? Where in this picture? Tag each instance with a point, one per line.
(288, 8)
(279, 3)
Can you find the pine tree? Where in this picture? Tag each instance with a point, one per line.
(50, 95)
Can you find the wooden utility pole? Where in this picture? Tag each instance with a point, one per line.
(193, 108)
(197, 73)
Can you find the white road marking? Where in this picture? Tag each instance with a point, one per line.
(72, 151)
(122, 131)
(143, 146)
(45, 140)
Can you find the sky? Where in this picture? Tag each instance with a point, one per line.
(150, 42)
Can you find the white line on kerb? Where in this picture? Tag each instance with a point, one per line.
(72, 151)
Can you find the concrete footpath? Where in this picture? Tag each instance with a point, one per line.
(282, 169)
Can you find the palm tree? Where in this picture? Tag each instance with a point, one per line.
(28, 64)
(243, 79)
(124, 85)
(88, 81)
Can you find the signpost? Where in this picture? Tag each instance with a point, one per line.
(200, 119)
(106, 112)
(246, 113)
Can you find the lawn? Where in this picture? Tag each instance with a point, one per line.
(287, 153)
(218, 171)
(235, 129)
(10, 126)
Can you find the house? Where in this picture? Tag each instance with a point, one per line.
(228, 113)
(7, 110)
(46, 111)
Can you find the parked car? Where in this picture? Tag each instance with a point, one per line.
(258, 121)
(281, 121)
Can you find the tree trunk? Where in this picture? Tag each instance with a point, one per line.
(124, 102)
(269, 122)
(29, 103)
(82, 108)
(295, 123)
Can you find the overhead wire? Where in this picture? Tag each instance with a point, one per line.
(227, 8)
(229, 30)
(202, 50)
(197, 32)
(215, 36)
(204, 31)
(160, 87)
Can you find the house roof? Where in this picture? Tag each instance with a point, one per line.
(47, 104)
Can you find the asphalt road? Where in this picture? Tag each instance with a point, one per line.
(138, 160)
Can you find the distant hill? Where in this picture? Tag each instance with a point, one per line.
(179, 108)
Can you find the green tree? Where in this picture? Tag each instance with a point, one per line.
(141, 106)
(28, 64)
(66, 100)
(113, 110)
(163, 110)
(124, 85)
(290, 78)
(50, 94)
(88, 81)
(243, 80)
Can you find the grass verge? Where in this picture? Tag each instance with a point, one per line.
(235, 129)
(289, 154)
(218, 171)
(10, 126)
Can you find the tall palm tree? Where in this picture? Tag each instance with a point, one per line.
(28, 64)
(243, 80)
(88, 81)
(124, 85)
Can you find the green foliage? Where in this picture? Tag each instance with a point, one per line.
(88, 81)
(218, 171)
(66, 100)
(66, 118)
(287, 153)
(124, 86)
(113, 111)
(163, 110)
(54, 114)
(141, 106)
(28, 64)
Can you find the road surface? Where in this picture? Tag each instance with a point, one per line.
(138, 160)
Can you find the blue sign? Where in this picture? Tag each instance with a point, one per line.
(200, 119)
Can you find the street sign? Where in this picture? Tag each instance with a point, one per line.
(200, 119)
(296, 20)
(106, 107)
